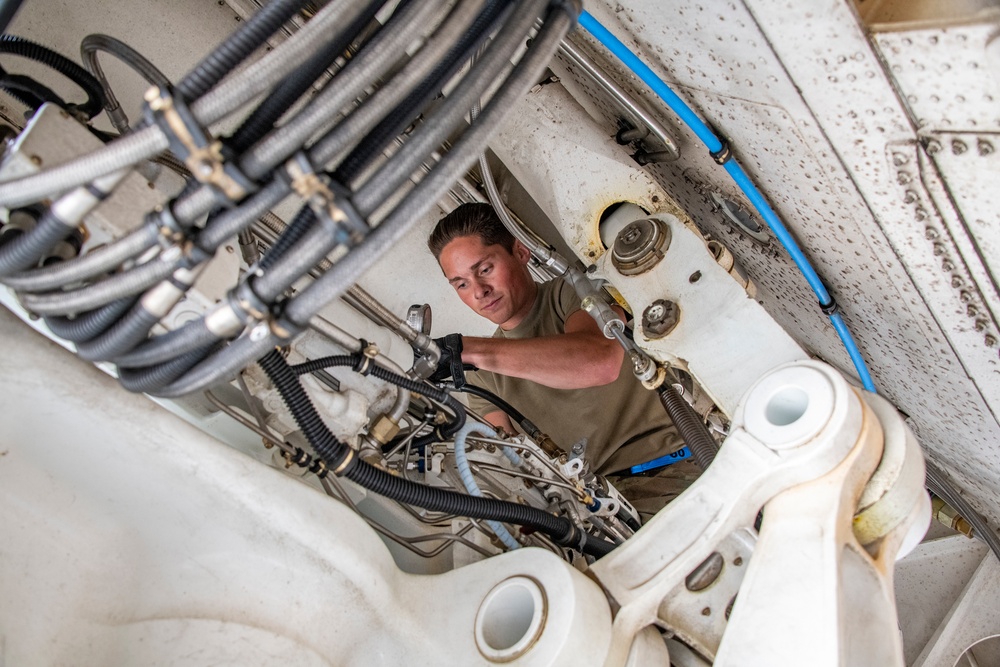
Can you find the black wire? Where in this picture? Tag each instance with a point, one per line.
(485, 394)
(25, 48)
(340, 459)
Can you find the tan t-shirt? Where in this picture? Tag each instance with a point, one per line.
(624, 423)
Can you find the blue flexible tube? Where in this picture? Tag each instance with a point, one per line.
(714, 144)
(465, 472)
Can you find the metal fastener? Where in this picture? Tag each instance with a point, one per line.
(958, 146)
(984, 147)
(660, 318)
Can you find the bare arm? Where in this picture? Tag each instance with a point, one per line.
(581, 357)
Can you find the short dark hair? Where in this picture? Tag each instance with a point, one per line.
(470, 220)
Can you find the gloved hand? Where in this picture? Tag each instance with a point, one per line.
(450, 364)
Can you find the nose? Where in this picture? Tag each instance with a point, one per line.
(481, 289)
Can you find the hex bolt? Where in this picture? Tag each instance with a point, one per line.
(985, 148)
(660, 318)
(958, 147)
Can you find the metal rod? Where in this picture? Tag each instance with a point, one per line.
(569, 50)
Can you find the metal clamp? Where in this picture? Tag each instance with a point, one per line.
(188, 141)
(328, 199)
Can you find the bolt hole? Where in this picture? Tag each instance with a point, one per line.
(786, 406)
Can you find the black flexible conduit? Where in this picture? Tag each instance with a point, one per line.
(294, 232)
(149, 380)
(376, 141)
(89, 325)
(24, 251)
(263, 118)
(485, 394)
(237, 47)
(358, 363)
(27, 49)
(340, 459)
(689, 425)
(8, 8)
(29, 92)
(160, 349)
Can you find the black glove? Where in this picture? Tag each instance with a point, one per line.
(450, 364)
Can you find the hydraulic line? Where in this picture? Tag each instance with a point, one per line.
(941, 487)
(160, 349)
(148, 380)
(27, 49)
(443, 121)
(293, 233)
(722, 154)
(342, 461)
(380, 137)
(89, 325)
(122, 336)
(300, 309)
(115, 287)
(89, 47)
(465, 474)
(526, 424)
(434, 185)
(93, 264)
(230, 222)
(263, 118)
(358, 361)
(237, 47)
(371, 64)
(229, 96)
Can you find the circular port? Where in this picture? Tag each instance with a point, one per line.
(510, 619)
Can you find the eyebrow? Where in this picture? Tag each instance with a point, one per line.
(471, 268)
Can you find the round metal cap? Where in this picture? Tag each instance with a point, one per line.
(640, 246)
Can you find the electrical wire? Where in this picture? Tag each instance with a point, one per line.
(722, 154)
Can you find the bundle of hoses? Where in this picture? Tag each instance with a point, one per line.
(342, 461)
(109, 300)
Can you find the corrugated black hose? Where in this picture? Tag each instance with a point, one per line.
(263, 118)
(403, 115)
(689, 425)
(335, 453)
(88, 326)
(296, 229)
(153, 378)
(237, 48)
(85, 80)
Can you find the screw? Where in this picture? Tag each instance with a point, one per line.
(738, 561)
(706, 611)
(930, 233)
(980, 326)
(965, 296)
(990, 340)
(899, 159)
(958, 147)
(985, 148)
(933, 146)
(939, 249)
(909, 197)
(694, 277)
(903, 178)
(956, 281)
(947, 265)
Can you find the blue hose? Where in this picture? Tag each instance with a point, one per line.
(465, 472)
(715, 146)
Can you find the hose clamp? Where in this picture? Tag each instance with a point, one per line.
(723, 155)
(170, 230)
(201, 154)
(248, 301)
(329, 200)
(830, 309)
(348, 460)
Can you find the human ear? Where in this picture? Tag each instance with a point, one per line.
(521, 252)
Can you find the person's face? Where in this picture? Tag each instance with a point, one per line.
(489, 280)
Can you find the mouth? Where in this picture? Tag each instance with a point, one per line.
(492, 304)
